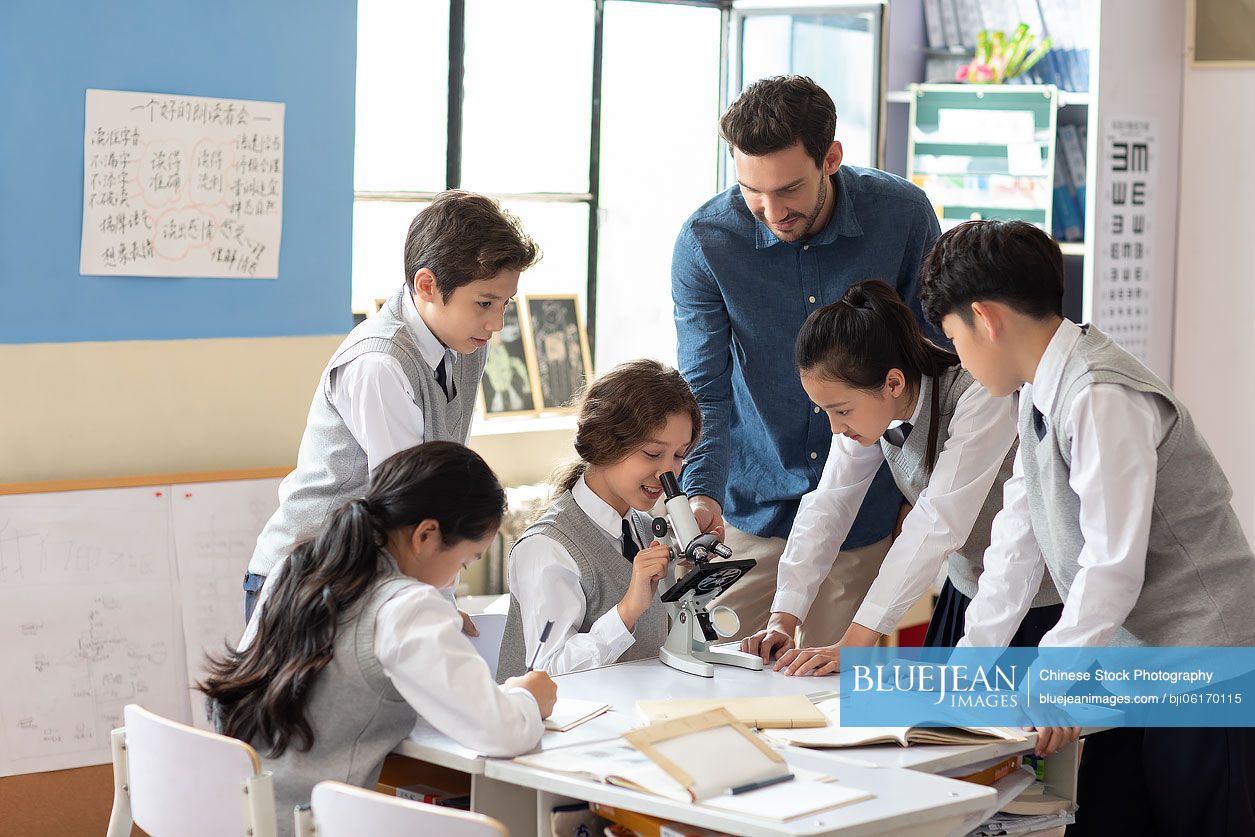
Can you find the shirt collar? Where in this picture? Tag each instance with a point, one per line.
(1049, 373)
(844, 221)
(925, 384)
(598, 510)
(432, 350)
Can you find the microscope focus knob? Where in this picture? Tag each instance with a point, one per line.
(660, 527)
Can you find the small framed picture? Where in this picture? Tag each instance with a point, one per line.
(561, 349)
(1221, 33)
(508, 386)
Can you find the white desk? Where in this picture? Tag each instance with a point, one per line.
(908, 801)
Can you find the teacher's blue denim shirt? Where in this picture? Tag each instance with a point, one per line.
(741, 296)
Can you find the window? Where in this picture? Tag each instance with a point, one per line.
(838, 46)
(594, 121)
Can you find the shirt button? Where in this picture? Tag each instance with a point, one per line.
(812, 299)
(817, 409)
(806, 247)
(814, 455)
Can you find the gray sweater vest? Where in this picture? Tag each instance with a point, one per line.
(1200, 573)
(604, 577)
(357, 715)
(331, 465)
(908, 465)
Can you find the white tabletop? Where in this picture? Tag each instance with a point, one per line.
(905, 802)
(622, 684)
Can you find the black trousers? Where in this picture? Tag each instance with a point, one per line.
(948, 625)
(1163, 781)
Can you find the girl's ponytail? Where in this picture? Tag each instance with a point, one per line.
(869, 331)
(260, 692)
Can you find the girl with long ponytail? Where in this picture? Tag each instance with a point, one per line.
(352, 639)
(892, 396)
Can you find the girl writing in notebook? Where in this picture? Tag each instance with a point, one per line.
(353, 641)
(893, 396)
(589, 564)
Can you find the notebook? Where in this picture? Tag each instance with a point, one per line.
(569, 713)
(778, 712)
(698, 759)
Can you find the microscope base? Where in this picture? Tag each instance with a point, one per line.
(702, 663)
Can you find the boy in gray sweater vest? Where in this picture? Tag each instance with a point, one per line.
(407, 375)
(1130, 510)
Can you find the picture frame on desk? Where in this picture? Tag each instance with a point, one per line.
(1221, 34)
(560, 345)
(508, 387)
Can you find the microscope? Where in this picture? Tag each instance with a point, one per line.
(693, 630)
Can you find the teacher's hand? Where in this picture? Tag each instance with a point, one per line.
(708, 514)
(775, 639)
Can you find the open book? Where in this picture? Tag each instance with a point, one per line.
(699, 760)
(835, 735)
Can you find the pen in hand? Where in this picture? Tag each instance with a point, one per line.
(544, 635)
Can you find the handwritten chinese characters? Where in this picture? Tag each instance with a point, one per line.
(181, 186)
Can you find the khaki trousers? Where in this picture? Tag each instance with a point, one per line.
(836, 602)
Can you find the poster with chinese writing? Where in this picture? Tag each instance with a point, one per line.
(181, 186)
(1122, 261)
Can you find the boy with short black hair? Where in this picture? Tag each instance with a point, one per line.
(407, 375)
(1130, 510)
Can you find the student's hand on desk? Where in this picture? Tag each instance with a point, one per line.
(775, 639)
(542, 687)
(648, 567)
(708, 514)
(825, 659)
(468, 624)
(1053, 739)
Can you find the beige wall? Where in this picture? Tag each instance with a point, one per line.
(1214, 357)
(80, 410)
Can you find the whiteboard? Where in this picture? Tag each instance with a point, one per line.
(181, 186)
(215, 529)
(109, 597)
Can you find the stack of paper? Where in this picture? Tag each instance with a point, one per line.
(781, 712)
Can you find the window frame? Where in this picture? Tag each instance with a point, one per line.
(591, 198)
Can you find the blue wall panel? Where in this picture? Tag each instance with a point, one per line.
(299, 52)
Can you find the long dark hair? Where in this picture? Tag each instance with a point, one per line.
(869, 331)
(621, 409)
(260, 692)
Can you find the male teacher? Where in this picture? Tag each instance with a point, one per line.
(792, 235)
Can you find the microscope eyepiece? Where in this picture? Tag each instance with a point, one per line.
(670, 487)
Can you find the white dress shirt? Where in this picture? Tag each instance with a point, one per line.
(375, 399)
(419, 643)
(1113, 432)
(546, 581)
(980, 434)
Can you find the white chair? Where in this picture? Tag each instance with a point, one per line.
(171, 779)
(340, 810)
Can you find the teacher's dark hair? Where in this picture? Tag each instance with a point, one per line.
(773, 114)
(862, 336)
(258, 694)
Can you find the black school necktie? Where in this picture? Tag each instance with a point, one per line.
(629, 543)
(442, 378)
(897, 436)
(1039, 423)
